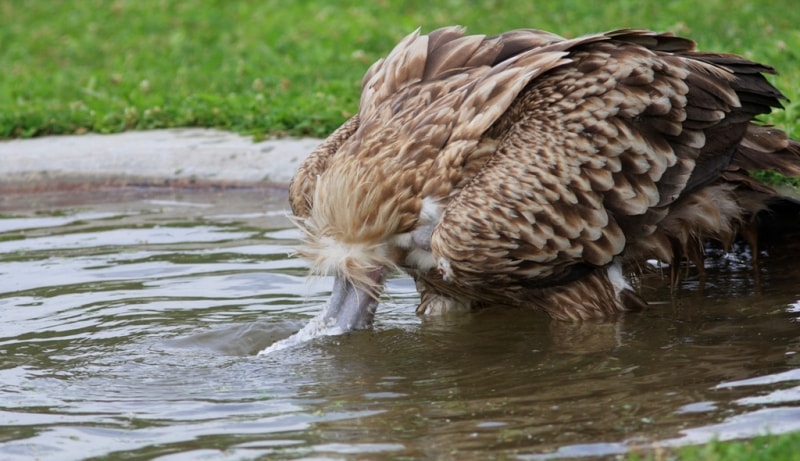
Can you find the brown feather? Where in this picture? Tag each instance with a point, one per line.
(525, 168)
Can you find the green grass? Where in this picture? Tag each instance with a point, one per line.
(772, 448)
(275, 68)
(294, 67)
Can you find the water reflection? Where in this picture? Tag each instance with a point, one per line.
(130, 327)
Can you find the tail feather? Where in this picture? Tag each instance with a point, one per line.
(780, 220)
(771, 212)
(739, 206)
(768, 148)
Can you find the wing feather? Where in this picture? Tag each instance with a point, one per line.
(594, 152)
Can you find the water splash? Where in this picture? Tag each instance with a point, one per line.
(320, 325)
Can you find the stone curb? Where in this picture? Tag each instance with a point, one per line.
(181, 157)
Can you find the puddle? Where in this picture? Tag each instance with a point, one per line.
(131, 320)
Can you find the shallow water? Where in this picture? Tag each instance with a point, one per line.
(130, 323)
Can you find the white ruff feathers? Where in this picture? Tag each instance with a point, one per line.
(618, 281)
(332, 255)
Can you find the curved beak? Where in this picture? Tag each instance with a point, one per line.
(350, 307)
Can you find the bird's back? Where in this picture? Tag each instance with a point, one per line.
(528, 168)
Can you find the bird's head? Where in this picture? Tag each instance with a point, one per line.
(361, 216)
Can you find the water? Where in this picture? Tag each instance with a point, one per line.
(131, 322)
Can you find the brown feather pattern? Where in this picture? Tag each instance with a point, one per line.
(525, 168)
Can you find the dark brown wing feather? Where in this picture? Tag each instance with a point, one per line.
(594, 153)
(768, 148)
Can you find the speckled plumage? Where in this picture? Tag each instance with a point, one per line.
(529, 169)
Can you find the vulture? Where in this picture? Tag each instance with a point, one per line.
(527, 169)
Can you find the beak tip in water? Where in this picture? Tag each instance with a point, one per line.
(349, 307)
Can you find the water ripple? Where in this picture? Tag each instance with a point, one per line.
(131, 329)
